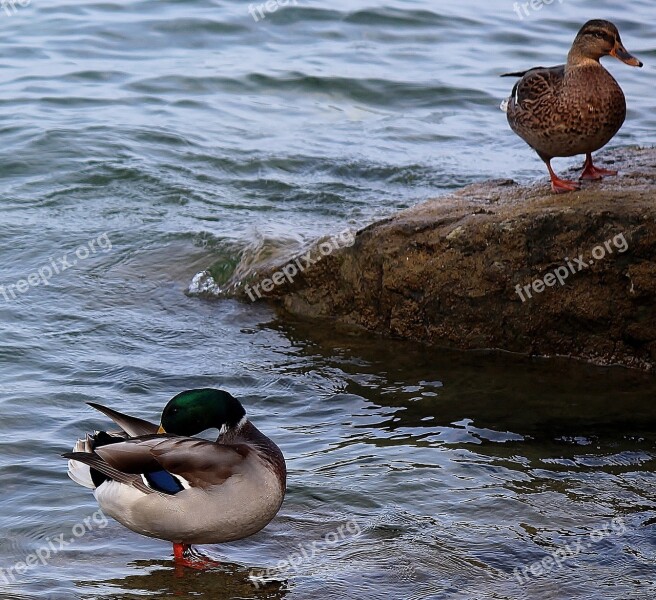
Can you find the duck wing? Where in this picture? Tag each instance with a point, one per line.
(166, 463)
(133, 426)
(200, 462)
(536, 84)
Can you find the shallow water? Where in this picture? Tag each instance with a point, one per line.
(174, 135)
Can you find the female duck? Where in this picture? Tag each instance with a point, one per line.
(160, 482)
(574, 108)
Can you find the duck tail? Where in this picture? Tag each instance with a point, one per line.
(515, 74)
(131, 425)
(79, 472)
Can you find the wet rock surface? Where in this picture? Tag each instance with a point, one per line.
(497, 265)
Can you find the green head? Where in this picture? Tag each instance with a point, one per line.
(191, 412)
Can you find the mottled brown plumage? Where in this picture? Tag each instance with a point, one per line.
(571, 109)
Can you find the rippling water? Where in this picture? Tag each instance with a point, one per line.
(144, 141)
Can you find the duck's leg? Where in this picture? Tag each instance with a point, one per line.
(179, 551)
(592, 172)
(185, 556)
(558, 185)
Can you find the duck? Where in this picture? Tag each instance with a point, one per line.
(160, 481)
(575, 108)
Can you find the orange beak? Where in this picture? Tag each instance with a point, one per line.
(161, 430)
(621, 53)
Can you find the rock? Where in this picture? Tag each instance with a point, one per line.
(498, 265)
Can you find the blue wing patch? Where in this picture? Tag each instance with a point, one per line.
(163, 481)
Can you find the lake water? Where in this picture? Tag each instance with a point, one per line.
(144, 141)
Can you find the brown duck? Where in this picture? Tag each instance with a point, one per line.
(574, 108)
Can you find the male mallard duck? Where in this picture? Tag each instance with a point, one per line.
(574, 108)
(158, 481)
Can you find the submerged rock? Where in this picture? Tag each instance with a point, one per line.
(497, 265)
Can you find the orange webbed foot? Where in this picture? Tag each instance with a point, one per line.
(558, 185)
(592, 173)
(562, 186)
(185, 556)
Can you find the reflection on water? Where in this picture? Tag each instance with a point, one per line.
(457, 468)
(164, 580)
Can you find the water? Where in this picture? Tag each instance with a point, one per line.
(155, 138)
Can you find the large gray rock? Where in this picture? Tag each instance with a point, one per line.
(495, 265)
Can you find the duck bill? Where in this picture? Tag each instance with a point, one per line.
(621, 53)
(161, 430)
